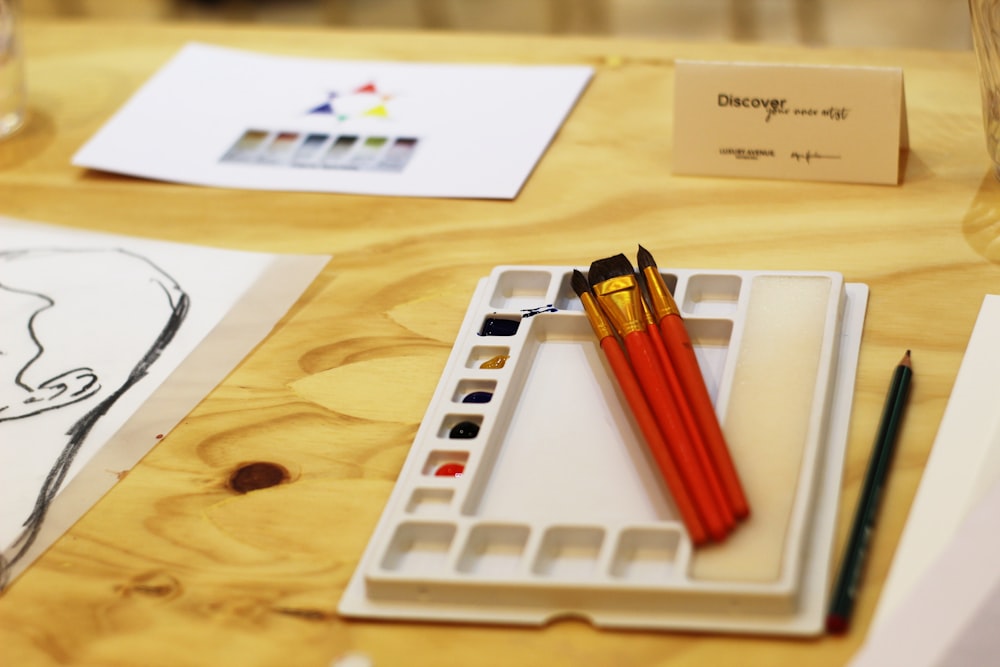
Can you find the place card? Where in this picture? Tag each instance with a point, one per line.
(798, 122)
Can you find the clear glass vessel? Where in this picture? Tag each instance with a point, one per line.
(985, 19)
(12, 88)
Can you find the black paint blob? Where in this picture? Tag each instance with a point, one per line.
(495, 326)
(464, 431)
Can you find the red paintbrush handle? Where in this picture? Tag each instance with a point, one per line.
(691, 426)
(681, 351)
(654, 439)
(657, 393)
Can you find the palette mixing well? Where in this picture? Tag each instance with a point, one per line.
(529, 494)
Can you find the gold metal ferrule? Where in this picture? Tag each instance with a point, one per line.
(596, 318)
(621, 301)
(663, 303)
(647, 314)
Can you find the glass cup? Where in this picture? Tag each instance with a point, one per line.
(12, 91)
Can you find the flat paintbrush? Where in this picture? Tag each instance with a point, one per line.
(640, 409)
(681, 352)
(616, 290)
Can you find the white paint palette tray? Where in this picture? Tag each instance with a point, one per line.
(558, 510)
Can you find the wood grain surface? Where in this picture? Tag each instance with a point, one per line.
(174, 567)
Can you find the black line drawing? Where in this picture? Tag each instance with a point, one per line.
(80, 327)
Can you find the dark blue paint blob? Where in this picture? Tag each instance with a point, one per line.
(478, 397)
(464, 431)
(531, 312)
(495, 326)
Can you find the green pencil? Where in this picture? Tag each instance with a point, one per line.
(845, 590)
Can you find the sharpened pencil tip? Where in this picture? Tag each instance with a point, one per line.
(906, 360)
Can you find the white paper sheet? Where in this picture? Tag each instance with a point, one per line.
(107, 342)
(949, 617)
(964, 463)
(229, 118)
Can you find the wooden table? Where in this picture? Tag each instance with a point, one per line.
(173, 568)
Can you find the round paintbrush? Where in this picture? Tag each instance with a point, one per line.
(681, 352)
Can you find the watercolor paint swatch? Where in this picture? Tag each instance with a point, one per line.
(322, 150)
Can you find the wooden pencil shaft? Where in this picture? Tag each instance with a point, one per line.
(846, 587)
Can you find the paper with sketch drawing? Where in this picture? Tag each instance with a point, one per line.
(107, 342)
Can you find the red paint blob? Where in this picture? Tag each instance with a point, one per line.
(450, 470)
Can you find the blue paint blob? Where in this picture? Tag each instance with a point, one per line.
(464, 431)
(495, 326)
(478, 397)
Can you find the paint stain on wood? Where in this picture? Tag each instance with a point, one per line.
(305, 614)
(258, 475)
(154, 584)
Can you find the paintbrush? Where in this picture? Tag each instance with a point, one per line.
(681, 353)
(687, 416)
(616, 290)
(640, 409)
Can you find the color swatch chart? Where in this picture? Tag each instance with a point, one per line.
(323, 151)
(528, 494)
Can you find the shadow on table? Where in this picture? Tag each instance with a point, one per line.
(981, 225)
(34, 136)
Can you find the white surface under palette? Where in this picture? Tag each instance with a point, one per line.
(558, 510)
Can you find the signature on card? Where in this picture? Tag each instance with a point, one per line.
(809, 156)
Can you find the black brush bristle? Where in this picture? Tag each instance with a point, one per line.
(645, 259)
(579, 283)
(608, 268)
